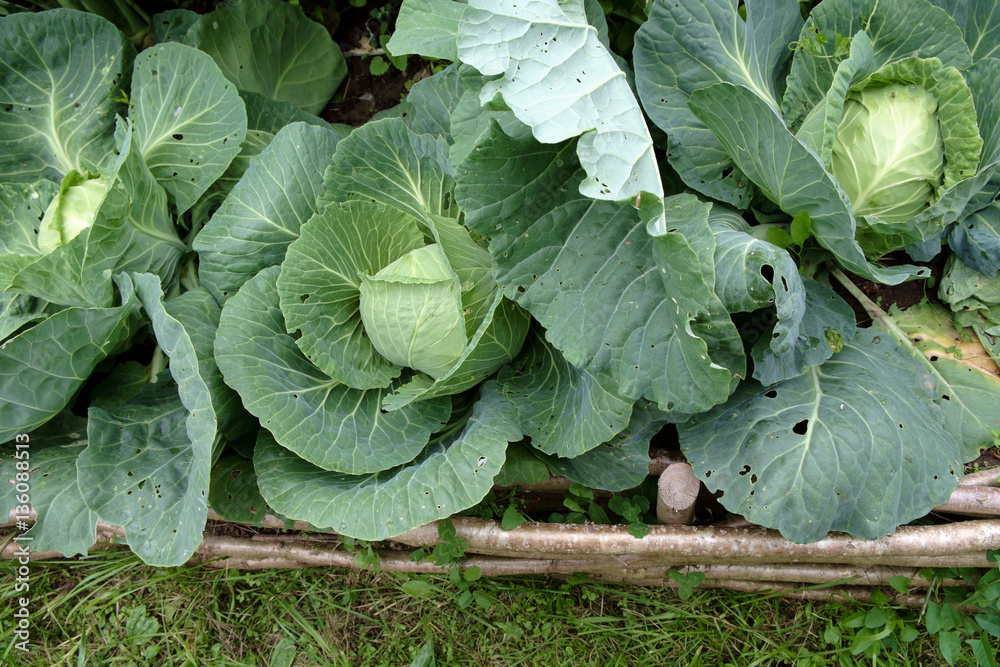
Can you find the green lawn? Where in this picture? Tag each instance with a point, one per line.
(110, 609)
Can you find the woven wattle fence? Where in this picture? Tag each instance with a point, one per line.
(732, 554)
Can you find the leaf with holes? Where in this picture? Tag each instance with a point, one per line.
(63, 522)
(854, 445)
(189, 120)
(265, 209)
(144, 470)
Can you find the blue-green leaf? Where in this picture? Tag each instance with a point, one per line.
(428, 28)
(752, 274)
(619, 464)
(189, 120)
(612, 299)
(689, 45)
(854, 445)
(827, 323)
(263, 213)
(272, 48)
(565, 410)
(42, 367)
(144, 470)
(63, 523)
(445, 478)
(61, 74)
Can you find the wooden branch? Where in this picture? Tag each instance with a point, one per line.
(705, 544)
(987, 477)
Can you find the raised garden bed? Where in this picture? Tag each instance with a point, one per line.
(203, 282)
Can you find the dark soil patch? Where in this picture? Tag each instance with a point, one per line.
(902, 296)
(362, 94)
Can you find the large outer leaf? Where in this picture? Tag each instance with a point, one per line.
(263, 213)
(854, 445)
(979, 21)
(689, 45)
(589, 273)
(428, 28)
(144, 470)
(565, 411)
(42, 367)
(189, 121)
(64, 523)
(430, 103)
(177, 423)
(332, 425)
(185, 329)
(60, 74)
(389, 163)
(446, 478)
(897, 29)
(319, 287)
(562, 81)
(270, 47)
(788, 173)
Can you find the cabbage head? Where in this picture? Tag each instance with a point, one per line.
(887, 153)
(412, 311)
(906, 135)
(73, 210)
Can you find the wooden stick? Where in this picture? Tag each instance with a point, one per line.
(677, 493)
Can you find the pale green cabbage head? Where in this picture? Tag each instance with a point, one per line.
(888, 153)
(412, 312)
(73, 210)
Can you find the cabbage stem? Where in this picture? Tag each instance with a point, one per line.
(156, 364)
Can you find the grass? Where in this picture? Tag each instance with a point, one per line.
(110, 609)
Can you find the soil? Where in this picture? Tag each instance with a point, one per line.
(902, 296)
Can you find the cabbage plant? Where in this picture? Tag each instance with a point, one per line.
(799, 147)
(110, 161)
